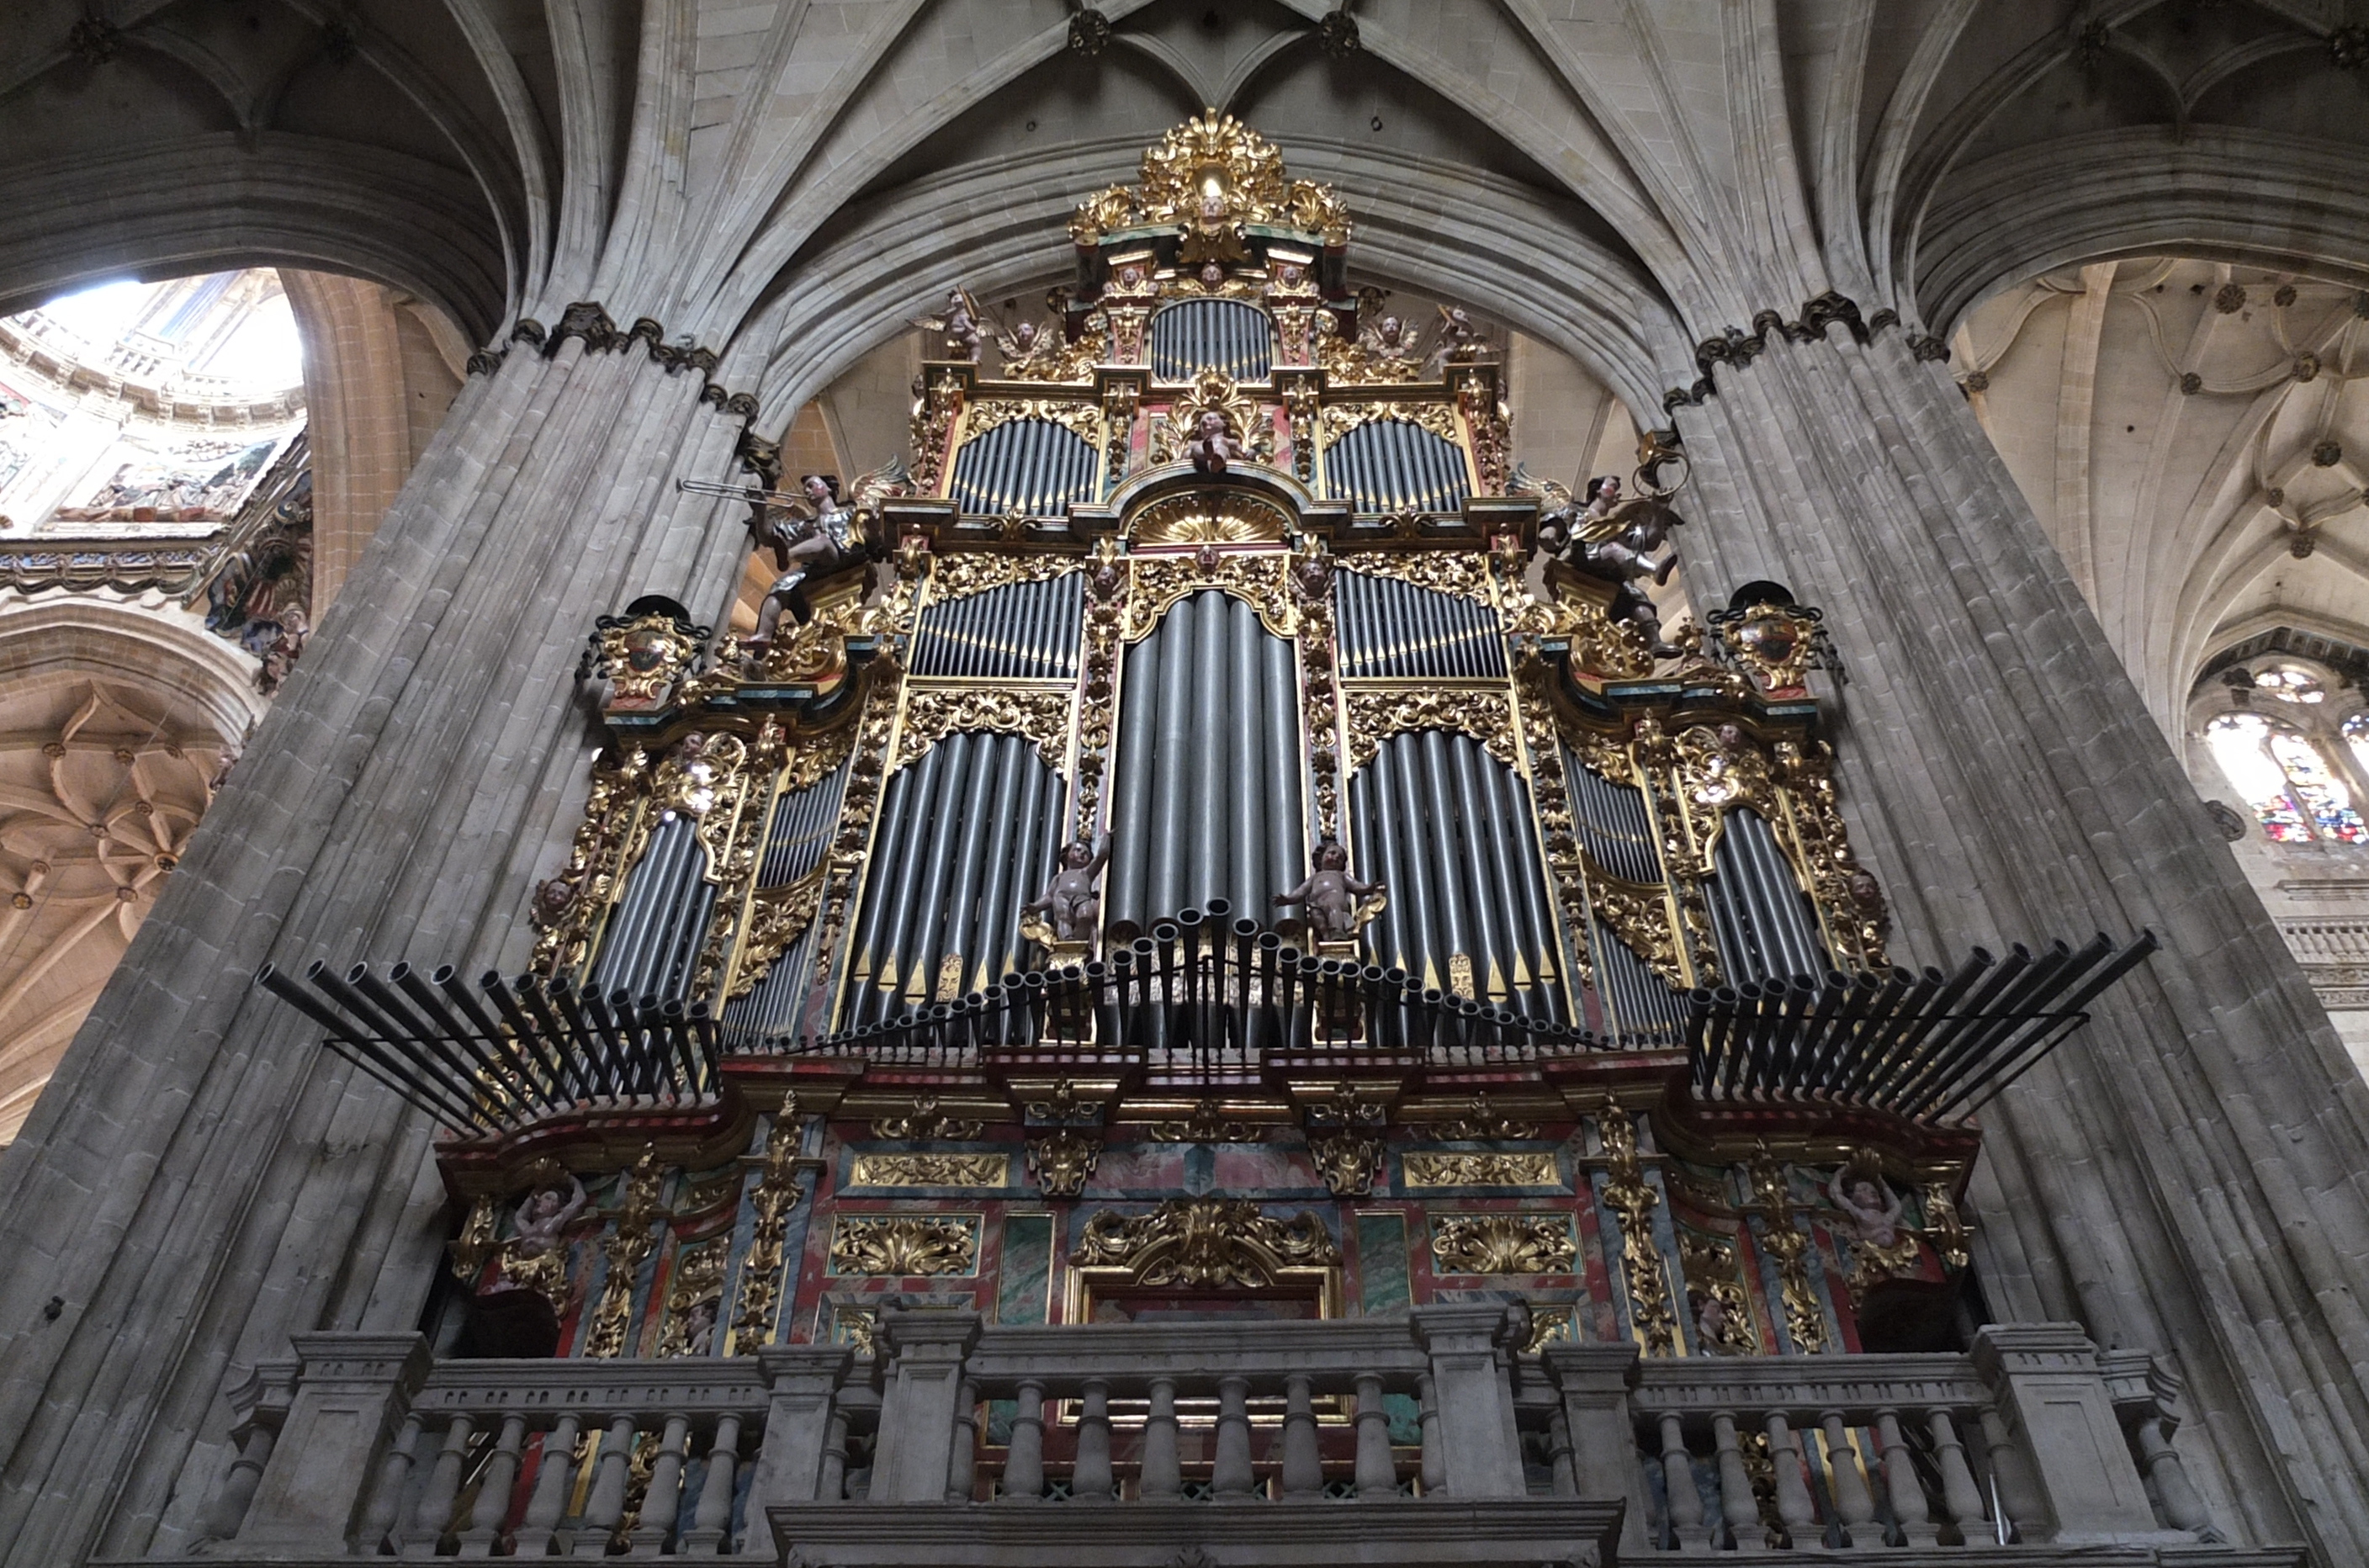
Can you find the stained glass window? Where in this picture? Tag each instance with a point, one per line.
(2239, 744)
(2356, 735)
(2290, 684)
(2314, 783)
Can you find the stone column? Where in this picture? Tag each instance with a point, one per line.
(917, 1407)
(1472, 1385)
(803, 1380)
(2184, 1173)
(1595, 1380)
(351, 1391)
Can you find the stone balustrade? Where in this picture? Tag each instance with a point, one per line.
(1424, 1439)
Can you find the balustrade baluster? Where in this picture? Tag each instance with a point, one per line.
(2017, 1490)
(1794, 1505)
(606, 1506)
(1902, 1488)
(1681, 1498)
(1377, 1476)
(2181, 1505)
(433, 1515)
(1560, 1459)
(1434, 1459)
(1737, 1510)
(1231, 1476)
(1961, 1500)
(1303, 1470)
(1162, 1476)
(1854, 1504)
(1023, 1462)
(961, 1456)
(662, 1499)
(830, 1485)
(714, 1515)
(1090, 1481)
(537, 1533)
(493, 1509)
(386, 1502)
(230, 1504)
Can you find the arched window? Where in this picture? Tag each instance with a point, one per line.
(2293, 791)
(2356, 735)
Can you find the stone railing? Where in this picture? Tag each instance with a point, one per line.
(2335, 958)
(1424, 1439)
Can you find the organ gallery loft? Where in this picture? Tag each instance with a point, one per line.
(1108, 831)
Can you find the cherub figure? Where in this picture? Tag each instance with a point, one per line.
(699, 1328)
(1071, 907)
(1875, 1211)
(813, 533)
(1460, 338)
(1336, 902)
(1212, 445)
(959, 323)
(1618, 541)
(1713, 1326)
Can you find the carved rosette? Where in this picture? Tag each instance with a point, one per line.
(1205, 1244)
(1502, 1243)
(1629, 1194)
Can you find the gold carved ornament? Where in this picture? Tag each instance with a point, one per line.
(734, 843)
(1488, 427)
(1943, 1227)
(1632, 1198)
(1256, 578)
(777, 918)
(1369, 359)
(1041, 716)
(1850, 903)
(1120, 400)
(966, 572)
(925, 1123)
(1712, 1276)
(1339, 418)
(1061, 1160)
(1502, 1244)
(1375, 715)
(904, 1246)
(1452, 1168)
(698, 1284)
(477, 1242)
(930, 1171)
(1481, 1119)
(1207, 1124)
(1214, 392)
(1204, 1244)
(1083, 421)
(629, 1244)
(1051, 357)
(566, 907)
(934, 411)
(1210, 517)
(1210, 176)
(1686, 859)
(1312, 578)
(1465, 573)
(867, 767)
(1638, 913)
(1106, 595)
(1873, 1261)
(1551, 1325)
(643, 657)
(1806, 1320)
(1343, 1141)
(1301, 403)
(776, 1193)
(1550, 792)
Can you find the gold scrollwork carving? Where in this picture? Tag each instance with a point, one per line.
(926, 1122)
(1599, 645)
(1479, 1119)
(1207, 1124)
(1205, 1244)
(1719, 1306)
(1639, 914)
(866, 769)
(964, 573)
(1943, 1228)
(1214, 392)
(694, 1301)
(643, 657)
(1256, 577)
(1339, 418)
(1806, 1320)
(1489, 426)
(777, 918)
(1551, 1325)
(1461, 572)
(904, 1246)
(1051, 357)
(1550, 791)
(1451, 1168)
(1375, 716)
(930, 716)
(933, 418)
(1721, 768)
(1502, 1244)
(477, 1242)
(1369, 359)
(930, 1171)
(776, 1193)
(734, 832)
(1209, 517)
(1061, 1161)
(1632, 1198)
(628, 1244)
(1848, 899)
(1083, 421)
(1213, 174)
(567, 906)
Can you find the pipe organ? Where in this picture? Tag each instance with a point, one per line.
(1197, 780)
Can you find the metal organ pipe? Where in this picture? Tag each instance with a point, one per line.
(1287, 820)
(1131, 784)
(1206, 856)
(1003, 889)
(888, 977)
(1247, 738)
(937, 865)
(1169, 780)
(984, 756)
